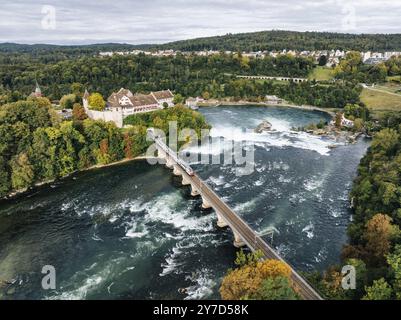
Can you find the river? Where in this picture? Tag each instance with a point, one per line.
(131, 231)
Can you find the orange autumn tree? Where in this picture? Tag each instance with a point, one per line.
(246, 281)
(378, 235)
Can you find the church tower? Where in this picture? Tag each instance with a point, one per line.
(38, 92)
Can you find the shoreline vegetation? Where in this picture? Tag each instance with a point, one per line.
(42, 148)
(142, 121)
(210, 103)
(21, 192)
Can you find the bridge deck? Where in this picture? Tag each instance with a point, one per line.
(247, 234)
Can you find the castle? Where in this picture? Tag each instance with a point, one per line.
(124, 103)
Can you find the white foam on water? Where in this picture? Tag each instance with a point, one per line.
(309, 230)
(227, 185)
(313, 183)
(171, 264)
(164, 209)
(297, 198)
(280, 124)
(321, 256)
(95, 237)
(283, 250)
(88, 284)
(246, 206)
(218, 181)
(134, 231)
(280, 138)
(259, 182)
(335, 213)
(283, 179)
(203, 286)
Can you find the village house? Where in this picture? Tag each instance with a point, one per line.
(163, 97)
(344, 122)
(274, 100)
(192, 103)
(124, 103)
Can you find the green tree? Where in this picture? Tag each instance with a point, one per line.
(394, 261)
(358, 125)
(5, 183)
(77, 89)
(96, 102)
(67, 101)
(178, 98)
(278, 288)
(206, 95)
(386, 142)
(322, 60)
(22, 173)
(380, 290)
(352, 61)
(246, 281)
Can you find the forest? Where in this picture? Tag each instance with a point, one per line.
(36, 146)
(290, 40)
(186, 75)
(211, 77)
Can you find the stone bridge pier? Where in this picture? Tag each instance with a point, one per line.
(185, 182)
(176, 170)
(221, 223)
(169, 163)
(205, 203)
(238, 242)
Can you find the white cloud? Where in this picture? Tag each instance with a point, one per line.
(138, 21)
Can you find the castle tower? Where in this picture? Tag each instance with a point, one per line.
(38, 92)
(85, 99)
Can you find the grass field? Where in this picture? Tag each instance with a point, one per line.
(390, 87)
(380, 101)
(321, 74)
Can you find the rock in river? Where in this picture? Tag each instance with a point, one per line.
(264, 126)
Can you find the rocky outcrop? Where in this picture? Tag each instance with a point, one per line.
(263, 127)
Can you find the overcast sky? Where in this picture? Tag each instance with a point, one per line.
(147, 21)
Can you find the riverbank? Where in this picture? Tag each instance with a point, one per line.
(98, 219)
(17, 193)
(225, 103)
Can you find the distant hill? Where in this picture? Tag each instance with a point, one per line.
(36, 48)
(291, 40)
(255, 41)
